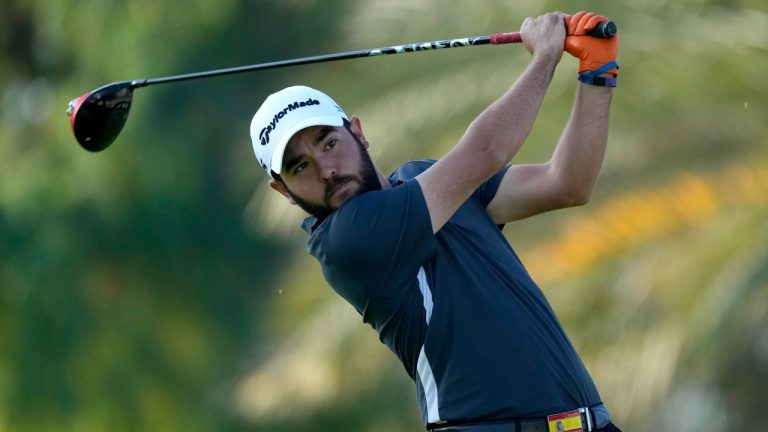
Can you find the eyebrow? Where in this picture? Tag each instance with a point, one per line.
(323, 132)
(293, 160)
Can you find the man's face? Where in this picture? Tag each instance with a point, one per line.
(324, 166)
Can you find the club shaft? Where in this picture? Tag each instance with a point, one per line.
(494, 39)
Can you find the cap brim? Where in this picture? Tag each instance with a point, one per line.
(277, 154)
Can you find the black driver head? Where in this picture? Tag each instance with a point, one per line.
(98, 117)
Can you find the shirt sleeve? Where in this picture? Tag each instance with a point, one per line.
(376, 242)
(487, 190)
(484, 193)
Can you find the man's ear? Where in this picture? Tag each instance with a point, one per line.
(357, 129)
(280, 187)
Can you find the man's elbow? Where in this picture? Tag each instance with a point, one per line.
(579, 200)
(575, 196)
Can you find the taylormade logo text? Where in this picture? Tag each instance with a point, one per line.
(264, 134)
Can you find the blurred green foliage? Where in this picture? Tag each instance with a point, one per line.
(159, 285)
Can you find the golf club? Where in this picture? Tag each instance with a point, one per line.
(98, 116)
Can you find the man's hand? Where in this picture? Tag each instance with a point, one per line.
(592, 52)
(544, 34)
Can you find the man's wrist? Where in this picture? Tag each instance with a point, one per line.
(601, 76)
(602, 80)
(549, 56)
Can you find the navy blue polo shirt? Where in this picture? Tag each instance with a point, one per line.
(458, 308)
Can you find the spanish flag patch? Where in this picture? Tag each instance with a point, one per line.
(565, 422)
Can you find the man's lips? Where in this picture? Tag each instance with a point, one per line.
(336, 188)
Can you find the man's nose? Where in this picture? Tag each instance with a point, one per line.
(327, 170)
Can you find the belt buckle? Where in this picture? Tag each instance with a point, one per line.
(565, 422)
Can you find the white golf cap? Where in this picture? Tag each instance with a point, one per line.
(285, 113)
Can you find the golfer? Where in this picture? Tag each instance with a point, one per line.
(421, 256)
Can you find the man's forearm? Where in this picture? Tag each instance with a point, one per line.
(579, 154)
(504, 125)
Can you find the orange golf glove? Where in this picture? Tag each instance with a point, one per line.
(596, 55)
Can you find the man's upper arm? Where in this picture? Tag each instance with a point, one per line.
(448, 183)
(527, 190)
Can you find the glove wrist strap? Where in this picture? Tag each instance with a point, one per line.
(594, 78)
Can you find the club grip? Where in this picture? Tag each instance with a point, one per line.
(604, 30)
(505, 38)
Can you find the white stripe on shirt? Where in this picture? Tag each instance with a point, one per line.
(424, 369)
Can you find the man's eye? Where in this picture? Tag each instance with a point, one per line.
(300, 167)
(331, 143)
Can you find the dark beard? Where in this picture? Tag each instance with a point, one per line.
(367, 178)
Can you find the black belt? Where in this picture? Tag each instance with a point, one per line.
(593, 418)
